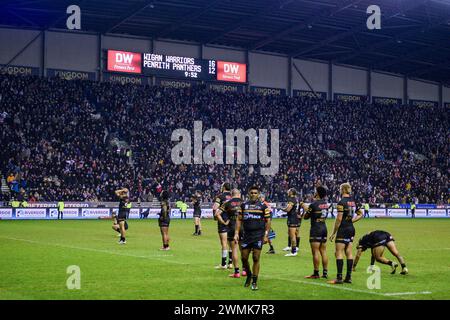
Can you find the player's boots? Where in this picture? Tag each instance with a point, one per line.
(394, 267)
(404, 271)
(348, 279)
(254, 286)
(336, 281)
(248, 280)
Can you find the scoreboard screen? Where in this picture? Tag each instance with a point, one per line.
(191, 68)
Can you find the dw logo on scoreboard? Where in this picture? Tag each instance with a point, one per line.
(231, 71)
(123, 61)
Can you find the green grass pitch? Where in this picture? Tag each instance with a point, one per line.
(35, 256)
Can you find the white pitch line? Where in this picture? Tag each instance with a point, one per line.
(182, 263)
(429, 249)
(339, 287)
(154, 257)
(406, 293)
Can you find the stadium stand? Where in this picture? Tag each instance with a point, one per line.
(72, 140)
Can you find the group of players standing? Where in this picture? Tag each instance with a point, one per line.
(245, 226)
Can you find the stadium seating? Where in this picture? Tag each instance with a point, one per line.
(69, 140)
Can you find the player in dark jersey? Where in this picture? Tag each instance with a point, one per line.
(377, 241)
(344, 232)
(196, 202)
(317, 211)
(254, 219)
(223, 229)
(272, 233)
(293, 222)
(124, 211)
(164, 219)
(226, 215)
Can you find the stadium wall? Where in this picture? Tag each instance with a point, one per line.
(105, 213)
(446, 95)
(315, 73)
(59, 49)
(384, 85)
(419, 90)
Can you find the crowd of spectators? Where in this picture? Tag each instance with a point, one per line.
(81, 140)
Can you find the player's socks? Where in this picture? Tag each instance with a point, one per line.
(316, 273)
(248, 280)
(230, 257)
(349, 269)
(289, 241)
(271, 248)
(325, 273)
(236, 270)
(403, 265)
(254, 279)
(298, 242)
(196, 229)
(340, 267)
(224, 257)
(293, 249)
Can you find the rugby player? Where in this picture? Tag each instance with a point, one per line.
(293, 222)
(344, 232)
(226, 215)
(223, 229)
(164, 219)
(272, 233)
(317, 211)
(377, 241)
(124, 211)
(255, 221)
(196, 202)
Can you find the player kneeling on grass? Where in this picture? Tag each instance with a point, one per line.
(254, 219)
(226, 215)
(377, 241)
(124, 211)
(164, 219)
(317, 211)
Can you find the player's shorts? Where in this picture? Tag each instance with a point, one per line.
(230, 232)
(293, 221)
(222, 228)
(382, 239)
(345, 235)
(122, 216)
(164, 222)
(318, 233)
(197, 213)
(126, 224)
(252, 243)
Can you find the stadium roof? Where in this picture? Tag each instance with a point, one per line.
(413, 40)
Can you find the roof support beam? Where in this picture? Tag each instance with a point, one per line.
(248, 19)
(382, 44)
(304, 24)
(132, 12)
(196, 13)
(407, 5)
